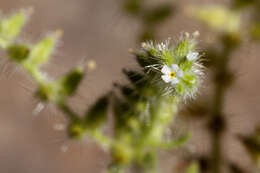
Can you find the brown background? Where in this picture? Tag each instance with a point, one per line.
(97, 29)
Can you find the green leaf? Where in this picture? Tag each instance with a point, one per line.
(41, 52)
(10, 27)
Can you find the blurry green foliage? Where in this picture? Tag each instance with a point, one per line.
(255, 31)
(228, 23)
(218, 17)
(149, 17)
(252, 144)
(193, 168)
(243, 3)
(224, 19)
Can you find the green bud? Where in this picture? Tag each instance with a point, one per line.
(189, 80)
(97, 113)
(182, 49)
(122, 154)
(71, 81)
(46, 92)
(18, 52)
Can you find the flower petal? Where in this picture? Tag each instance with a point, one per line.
(174, 81)
(166, 70)
(174, 67)
(180, 74)
(166, 78)
(192, 56)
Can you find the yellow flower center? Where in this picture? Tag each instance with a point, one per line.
(172, 75)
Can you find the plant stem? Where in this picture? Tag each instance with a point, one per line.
(217, 123)
(67, 111)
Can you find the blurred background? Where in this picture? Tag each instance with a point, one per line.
(104, 31)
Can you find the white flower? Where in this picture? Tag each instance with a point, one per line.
(171, 74)
(192, 56)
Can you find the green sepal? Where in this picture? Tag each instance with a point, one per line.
(134, 77)
(189, 80)
(147, 57)
(182, 49)
(41, 51)
(142, 58)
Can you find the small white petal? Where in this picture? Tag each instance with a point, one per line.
(174, 67)
(166, 70)
(166, 78)
(192, 56)
(174, 81)
(180, 74)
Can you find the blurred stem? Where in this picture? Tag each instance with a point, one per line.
(37, 75)
(34, 73)
(217, 124)
(216, 133)
(67, 111)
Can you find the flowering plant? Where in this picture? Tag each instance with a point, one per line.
(143, 109)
